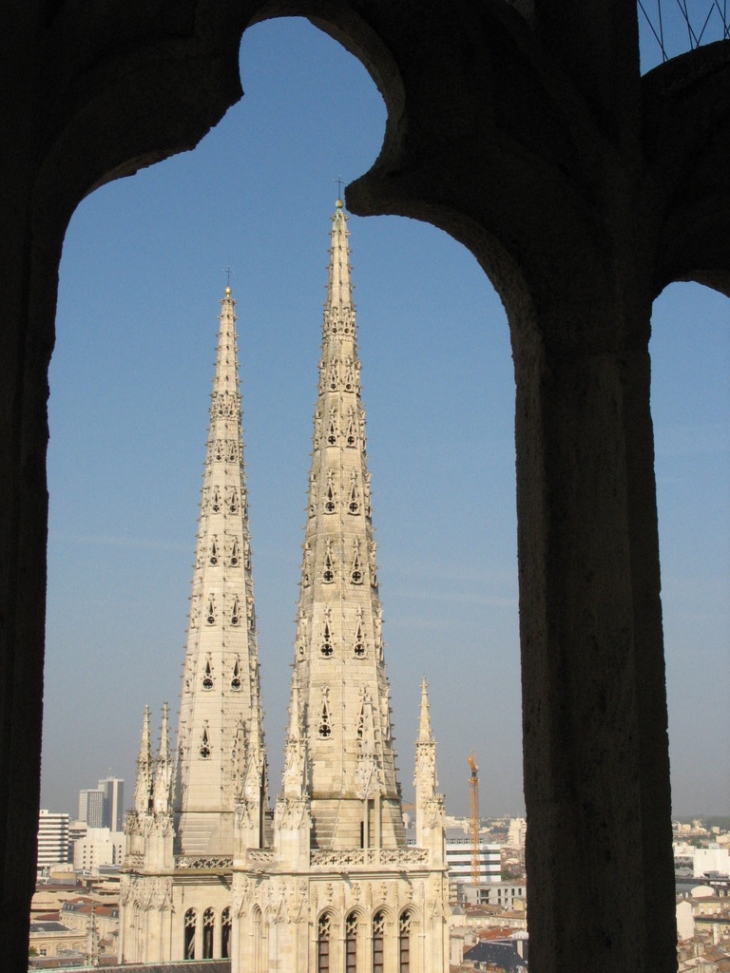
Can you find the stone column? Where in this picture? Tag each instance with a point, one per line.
(594, 710)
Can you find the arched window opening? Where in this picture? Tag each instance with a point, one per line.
(324, 935)
(226, 933)
(258, 941)
(351, 943)
(378, 941)
(190, 923)
(404, 943)
(208, 933)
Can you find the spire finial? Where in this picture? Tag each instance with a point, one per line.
(228, 273)
(339, 204)
(424, 726)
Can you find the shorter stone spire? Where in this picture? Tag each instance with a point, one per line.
(424, 724)
(295, 751)
(162, 794)
(425, 775)
(145, 769)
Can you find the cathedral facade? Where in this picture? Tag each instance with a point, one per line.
(328, 882)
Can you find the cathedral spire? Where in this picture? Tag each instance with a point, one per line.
(339, 677)
(221, 694)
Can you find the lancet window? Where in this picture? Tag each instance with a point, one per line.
(235, 612)
(351, 924)
(356, 574)
(205, 744)
(359, 646)
(226, 933)
(307, 568)
(351, 434)
(214, 550)
(208, 675)
(236, 676)
(232, 500)
(349, 375)
(332, 430)
(312, 492)
(210, 617)
(324, 936)
(208, 933)
(325, 723)
(232, 453)
(329, 495)
(378, 941)
(190, 923)
(353, 503)
(215, 500)
(328, 575)
(404, 942)
(327, 647)
(234, 552)
(258, 942)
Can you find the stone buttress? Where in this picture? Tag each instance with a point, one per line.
(340, 889)
(177, 873)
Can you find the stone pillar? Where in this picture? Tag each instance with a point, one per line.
(594, 709)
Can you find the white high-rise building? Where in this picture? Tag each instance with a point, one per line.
(91, 807)
(329, 882)
(52, 838)
(113, 815)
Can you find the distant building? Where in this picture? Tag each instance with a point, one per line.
(113, 812)
(91, 807)
(713, 860)
(459, 855)
(505, 895)
(99, 846)
(52, 839)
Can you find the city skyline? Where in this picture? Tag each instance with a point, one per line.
(142, 274)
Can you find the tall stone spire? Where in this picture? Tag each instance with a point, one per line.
(221, 696)
(339, 677)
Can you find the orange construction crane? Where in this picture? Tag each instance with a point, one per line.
(474, 819)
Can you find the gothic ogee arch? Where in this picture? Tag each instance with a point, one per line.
(583, 189)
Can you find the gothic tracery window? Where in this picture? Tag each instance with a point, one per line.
(325, 723)
(190, 923)
(236, 676)
(208, 675)
(328, 575)
(359, 646)
(324, 935)
(351, 924)
(205, 744)
(404, 942)
(208, 933)
(356, 574)
(378, 941)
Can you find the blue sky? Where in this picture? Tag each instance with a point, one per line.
(141, 277)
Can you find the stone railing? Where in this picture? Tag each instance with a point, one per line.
(260, 856)
(217, 862)
(372, 857)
